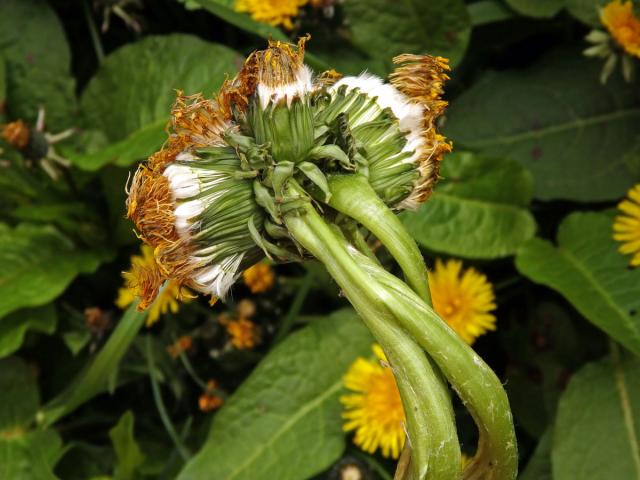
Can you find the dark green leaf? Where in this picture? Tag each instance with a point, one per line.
(37, 265)
(488, 11)
(589, 272)
(284, 421)
(24, 454)
(478, 210)
(597, 427)
(37, 57)
(131, 96)
(558, 121)
(15, 326)
(539, 465)
(537, 8)
(128, 453)
(586, 11)
(384, 29)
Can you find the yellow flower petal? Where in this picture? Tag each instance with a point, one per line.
(623, 25)
(375, 410)
(626, 227)
(463, 298)
(272, 12)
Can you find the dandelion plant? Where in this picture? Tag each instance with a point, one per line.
(290, 165)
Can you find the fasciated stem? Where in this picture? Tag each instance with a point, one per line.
(430, 419)
(352, 195)
(477, 385)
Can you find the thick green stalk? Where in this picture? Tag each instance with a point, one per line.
(474, 381)
(352, 195)
(430, 420)
(92, 380)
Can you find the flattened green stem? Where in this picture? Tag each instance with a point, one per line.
(474, 381)
(93, 379)
(430, 419)
(352, 195)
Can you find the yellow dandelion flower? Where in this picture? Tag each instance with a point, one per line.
(259, 278)
(375, 410)
(463, 298)
(168, 300)
(243, 333)
(626, 227)
(623, 25)
(273, 12)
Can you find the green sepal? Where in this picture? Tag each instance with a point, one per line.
(276, 231)
(257, 238)
(292, 204)
(288, 129)
(333, 152)
(313, 173)
(265, 200)
(282, 172)
(269, 248)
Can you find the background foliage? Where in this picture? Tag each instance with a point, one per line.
(543, 153)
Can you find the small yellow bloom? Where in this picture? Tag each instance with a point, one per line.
(243, 333)
(168, 299)
(259, 278)
(464, 299)
(273, 12)
(626, 227)
(623, 25)
(375, 410)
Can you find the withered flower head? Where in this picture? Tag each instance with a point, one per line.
(211, 201)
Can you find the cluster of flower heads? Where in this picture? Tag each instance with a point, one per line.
(464, 298)
(210, 203)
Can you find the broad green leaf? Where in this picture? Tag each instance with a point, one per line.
(539, 465)
(587, 11)
(140, 144)
(588, 271)
(130, 97)
(128, 453)
(488, 11)
(37, 265)
(284, 420)
(598, 423)
(557, 120)
(24, 454)
(478, 210)
(384, 29)
(3, 86)
(96, 376)
(537, 8)
(38, 60)
(20, 398)
(15, 326)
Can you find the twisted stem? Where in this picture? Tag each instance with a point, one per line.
(430, 419)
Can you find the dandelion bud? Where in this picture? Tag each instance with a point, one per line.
(193, 203)
(279, 112)
(394, 126)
